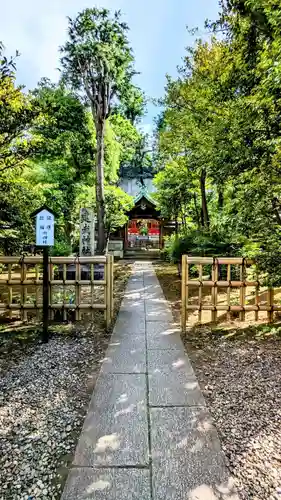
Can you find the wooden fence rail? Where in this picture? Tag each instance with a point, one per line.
(78, 284)
(241, 282)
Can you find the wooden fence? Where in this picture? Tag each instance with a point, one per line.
(76, 284)
(228, 274)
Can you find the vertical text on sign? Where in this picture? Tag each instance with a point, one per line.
(45, 228)
(87, 232)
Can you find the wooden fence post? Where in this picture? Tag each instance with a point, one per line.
(64, 276)
(108, 291)
(214, 290)
(184, 277)
(45, 334)
(10, 290)
(200, 293)
(228, 290)
(242, 291)
(23, 290)
(37, 290)
(112, 286)
(257, 297)
(51, 278)
(270, 295)
(77, 290)
(92, 276)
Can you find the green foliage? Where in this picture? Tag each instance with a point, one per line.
(141, 166)
(18, 200)
(17, 112)
(132, 103)
(61, 249)
(64, 127)
(17, 145)
(117, 204)
(175, 199)
(98, 59)
(64, 160)
(200, 243)
(128, 139)
(60, 172)
(221, 130)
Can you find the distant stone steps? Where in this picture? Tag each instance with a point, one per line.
(142, 254)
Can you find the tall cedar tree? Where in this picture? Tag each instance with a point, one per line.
(98, 59)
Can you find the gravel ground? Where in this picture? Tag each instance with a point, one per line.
(241, 381)
(239, 371)
(44, 395)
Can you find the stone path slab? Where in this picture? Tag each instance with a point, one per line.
(162, 335)
(168, 388)
(174, 361)
(115, 429)
(148, 434)
(124, 360)
(129, 325)
(191, 464)
(109, 484)
(118, 390)
(137, 341)
(158, 313)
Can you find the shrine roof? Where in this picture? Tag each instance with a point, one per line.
(143, 193)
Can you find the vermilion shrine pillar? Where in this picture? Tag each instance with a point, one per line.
(161, 235)
(126, 245)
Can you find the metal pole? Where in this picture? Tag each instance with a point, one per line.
(45, 334)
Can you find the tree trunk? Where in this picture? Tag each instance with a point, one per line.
(67, 229)
(183, 221)
(196, 211)
(220, 199)
(177, 228)
(176, 224)
(205, 213)
(101, 243)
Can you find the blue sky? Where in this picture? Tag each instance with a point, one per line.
(158, 36)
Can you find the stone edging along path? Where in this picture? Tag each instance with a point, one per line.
(147, 434)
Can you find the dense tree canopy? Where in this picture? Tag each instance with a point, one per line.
(47, 155)
(216, 150)
(220, 132)
(97, 58)
(16, 116)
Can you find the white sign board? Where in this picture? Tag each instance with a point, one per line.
(87, 232)
(45, 223)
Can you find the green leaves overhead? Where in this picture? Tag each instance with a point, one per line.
(64, 127)
(221, 125)
(16, 117)
(98, 57)
(60, 140)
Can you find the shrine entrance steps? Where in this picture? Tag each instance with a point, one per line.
(138, 254)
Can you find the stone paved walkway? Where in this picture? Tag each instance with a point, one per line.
(147, 435)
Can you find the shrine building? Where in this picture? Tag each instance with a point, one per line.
(145, 230)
